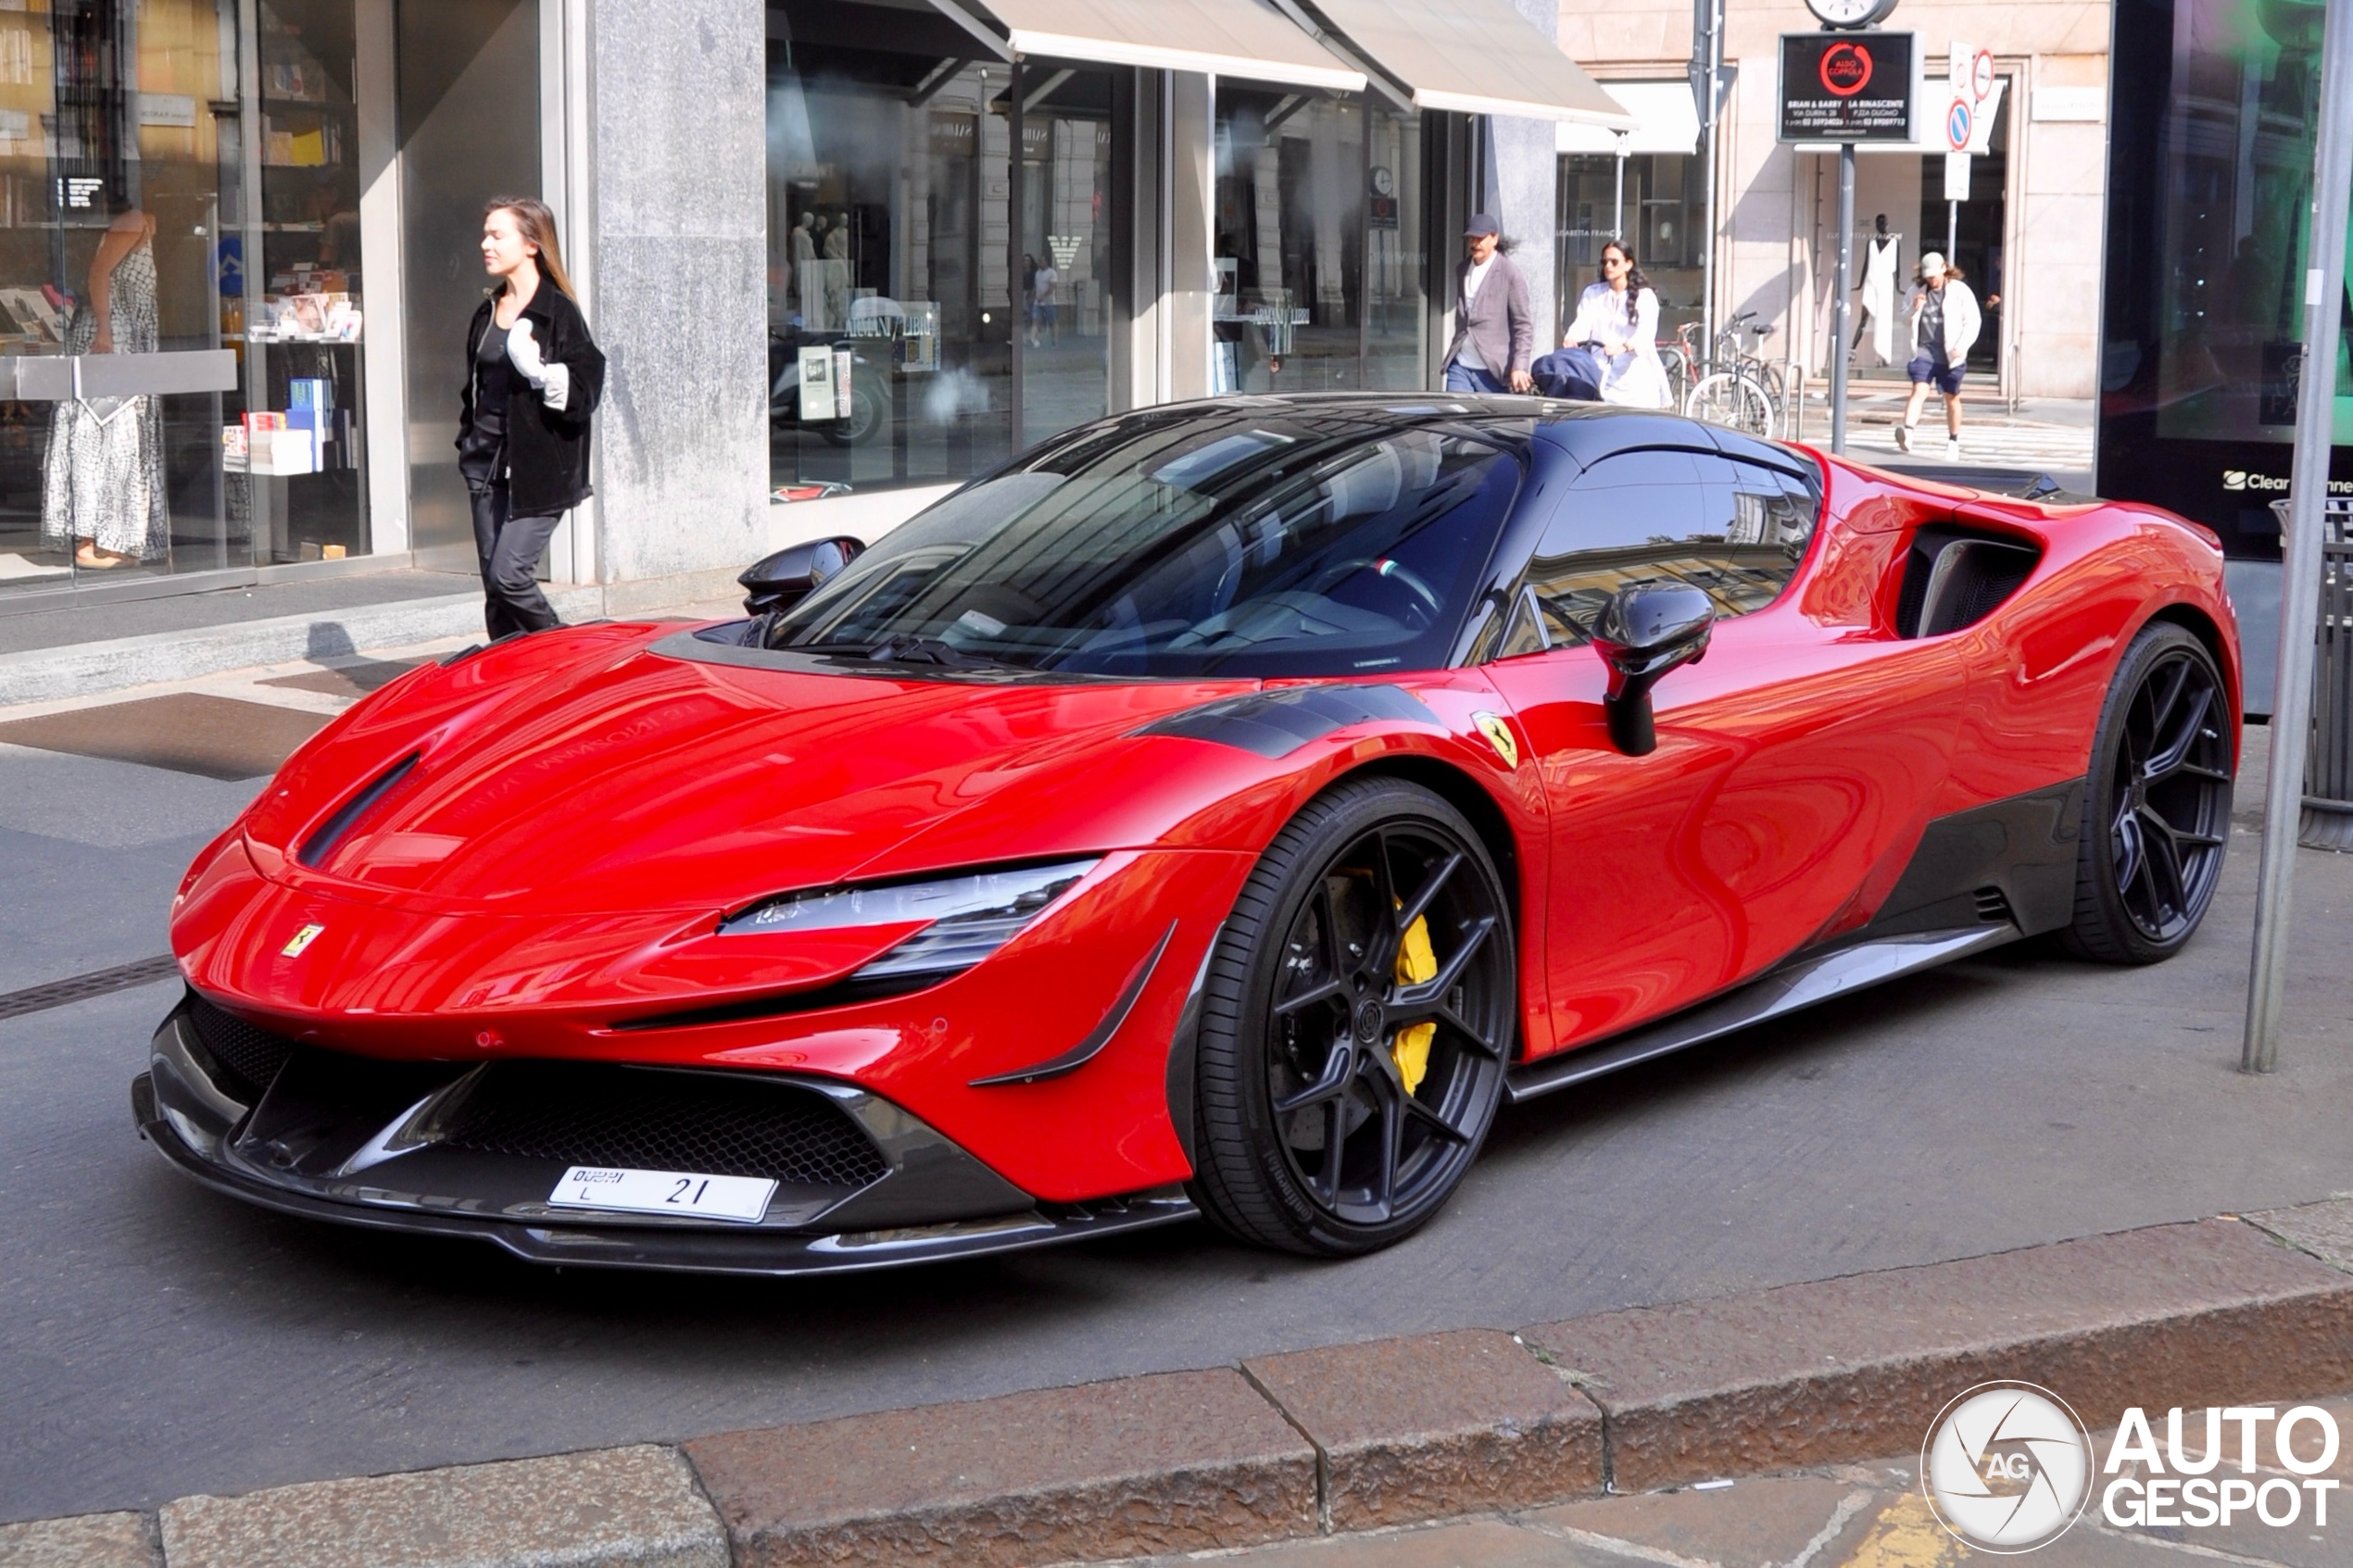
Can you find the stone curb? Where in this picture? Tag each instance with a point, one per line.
(1348, 1436)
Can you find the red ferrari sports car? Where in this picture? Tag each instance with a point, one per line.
(1217, 809)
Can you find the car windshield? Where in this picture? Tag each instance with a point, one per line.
(1250, 542)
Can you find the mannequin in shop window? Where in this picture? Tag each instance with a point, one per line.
(1880, 258)
(102, 483)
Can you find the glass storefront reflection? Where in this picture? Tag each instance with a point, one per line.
(1321, 272)
(129, 134)
(1663, 221)
(1065, 241)
(891, 314)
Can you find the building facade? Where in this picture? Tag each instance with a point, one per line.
(2029, 232)
(841, 254)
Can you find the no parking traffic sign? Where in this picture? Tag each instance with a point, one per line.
(1959, 121)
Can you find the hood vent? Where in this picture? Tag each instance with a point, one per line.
(329, 833)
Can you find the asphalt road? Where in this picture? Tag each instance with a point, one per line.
(160, 1340)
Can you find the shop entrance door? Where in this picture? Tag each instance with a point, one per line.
(468, 131)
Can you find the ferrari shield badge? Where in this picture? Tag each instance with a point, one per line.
(1499, 735)
(301, 939)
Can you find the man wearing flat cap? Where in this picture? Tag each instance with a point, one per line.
(1494, 330)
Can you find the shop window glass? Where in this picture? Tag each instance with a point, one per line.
(1662, 218)
(1322, 269)
(128, 148)
(1067, 228)
(303, 326)
(891, 313)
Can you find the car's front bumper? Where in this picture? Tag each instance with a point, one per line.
(459, 1150)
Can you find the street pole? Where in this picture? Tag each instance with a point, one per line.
(1707, 21)
(1844, 297)
(1952, 230)
(2300, 580)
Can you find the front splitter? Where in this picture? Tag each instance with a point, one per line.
(682, 1250)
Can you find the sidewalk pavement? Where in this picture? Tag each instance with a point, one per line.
(1599, 1440)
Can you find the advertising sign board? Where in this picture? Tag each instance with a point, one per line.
(1846, 86)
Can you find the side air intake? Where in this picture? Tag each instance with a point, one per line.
(1956, 577)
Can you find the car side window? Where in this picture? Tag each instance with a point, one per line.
(1734, 530)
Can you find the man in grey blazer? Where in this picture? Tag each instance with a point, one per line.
(1494, 330)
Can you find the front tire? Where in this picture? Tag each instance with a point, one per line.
(2156, 808)
(1354, 1024)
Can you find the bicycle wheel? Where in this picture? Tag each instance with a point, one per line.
(1733, 401)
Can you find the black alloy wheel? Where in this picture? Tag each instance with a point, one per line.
(2157, 808)
(1355, 1024)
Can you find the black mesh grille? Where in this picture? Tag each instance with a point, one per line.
(583, 1114)
(248, 1057)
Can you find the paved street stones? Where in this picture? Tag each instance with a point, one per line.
(1839, 1370)
(1435, 1424)
(1176, 1461)
(636, 1507)
(89, 1540)
(1764, 1522)
(2325, 1230)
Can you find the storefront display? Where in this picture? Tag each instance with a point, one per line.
(1322, 269)
(131, 131)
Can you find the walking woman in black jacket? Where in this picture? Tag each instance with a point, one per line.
(534, 376)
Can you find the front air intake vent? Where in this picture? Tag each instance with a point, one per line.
(245, 1059)
(331, 831)
(721, 1125)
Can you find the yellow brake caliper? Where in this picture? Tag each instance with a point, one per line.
(1415, 963)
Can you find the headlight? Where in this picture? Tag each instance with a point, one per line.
(968, 918)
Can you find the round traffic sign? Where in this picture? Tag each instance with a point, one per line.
(1981, 75)
(1957, 125)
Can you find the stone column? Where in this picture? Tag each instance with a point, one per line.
(678, 221)
(1527, 191)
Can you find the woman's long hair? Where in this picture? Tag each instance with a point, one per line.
(1635, 280)
(537, 226)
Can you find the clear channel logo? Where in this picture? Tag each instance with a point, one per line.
(2006, 1467)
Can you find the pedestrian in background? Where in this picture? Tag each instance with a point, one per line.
(532, 379)
(1494, 330)
(1618, 316)
(1945, 323)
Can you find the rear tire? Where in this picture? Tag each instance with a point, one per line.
(2157, 807)
(1328, 1122)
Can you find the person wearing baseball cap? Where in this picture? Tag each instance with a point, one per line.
(1494, 328)
(1945, 323)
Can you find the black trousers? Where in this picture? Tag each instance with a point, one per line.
(510, 549)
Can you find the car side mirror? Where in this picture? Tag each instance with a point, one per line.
(1646, 630)
(782, 580)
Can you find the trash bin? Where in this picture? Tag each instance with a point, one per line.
(2328, 767)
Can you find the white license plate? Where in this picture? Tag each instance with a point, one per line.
(741, 1198)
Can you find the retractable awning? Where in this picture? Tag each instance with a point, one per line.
(1667, 121)
(1472, 57)
(1226, 37)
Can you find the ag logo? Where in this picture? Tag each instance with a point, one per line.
(1499, 735)
(2006, 1467)
(2234, 479)
(300, 940)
